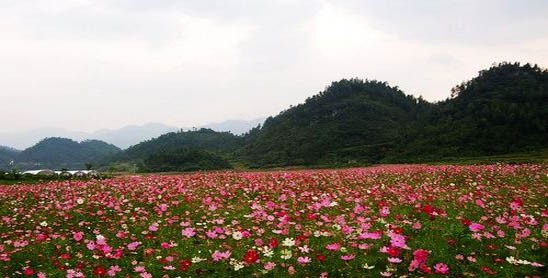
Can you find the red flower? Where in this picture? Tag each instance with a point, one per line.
(428, 209)
(251, 256)
(397, 230)
(488, 270)
(492, 247)
(149, 236)
(320, 257)
(185, 264)
(426, 269)
(393, 251)
(100, 271)
(149, 251)
(28, 271)
(65, 256)
(273, 243)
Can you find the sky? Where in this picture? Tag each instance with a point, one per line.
(87, 65)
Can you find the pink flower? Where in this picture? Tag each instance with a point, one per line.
(165, 245)
(397, 240)
(333, 247)
(90, 246)
(476, 227)
(441, 268)
(113, 270)
(375, 235)
(78, 236)
(133, 245)
(421, 255)
(188, 232)
(303, 260)
(417, 226)
(385, 211)
(348, 257)
(394, 260)
(220, 256)
(269, 266)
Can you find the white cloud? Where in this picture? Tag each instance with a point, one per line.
(105, 64)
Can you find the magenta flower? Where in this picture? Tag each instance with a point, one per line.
(441, 268)
(476, 227)
(348, 257)
(78, 236)
(333, 247)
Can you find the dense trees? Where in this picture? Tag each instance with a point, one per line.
(184, 160)
(65, 153)
(503, 110)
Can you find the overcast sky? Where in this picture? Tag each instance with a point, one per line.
(94, 64)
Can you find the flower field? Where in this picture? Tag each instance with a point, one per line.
(399, 221)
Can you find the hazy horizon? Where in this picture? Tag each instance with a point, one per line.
(91, 65)
(121, 137)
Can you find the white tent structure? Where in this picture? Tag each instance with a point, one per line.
(42, 172)
(72, 173)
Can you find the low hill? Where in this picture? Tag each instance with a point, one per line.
(7, 155)
(350, 121)
(65, 153)
(202, 139)
(503, 110)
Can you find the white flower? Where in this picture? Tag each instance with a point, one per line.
(236, 264)
(286, 254)
(197, 260)
(44, 224)
(514, 261)
(237, 235)
(304, 249)
(79, 201)
(289, 242)
(366, 266)
(267, 252)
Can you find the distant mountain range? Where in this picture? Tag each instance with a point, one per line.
(121, 137)
(352, 122)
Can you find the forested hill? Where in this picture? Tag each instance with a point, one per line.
(7, 155)
(201, 139)
(351, 119)
(65, 153)
(355, 121)
(503, 110)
